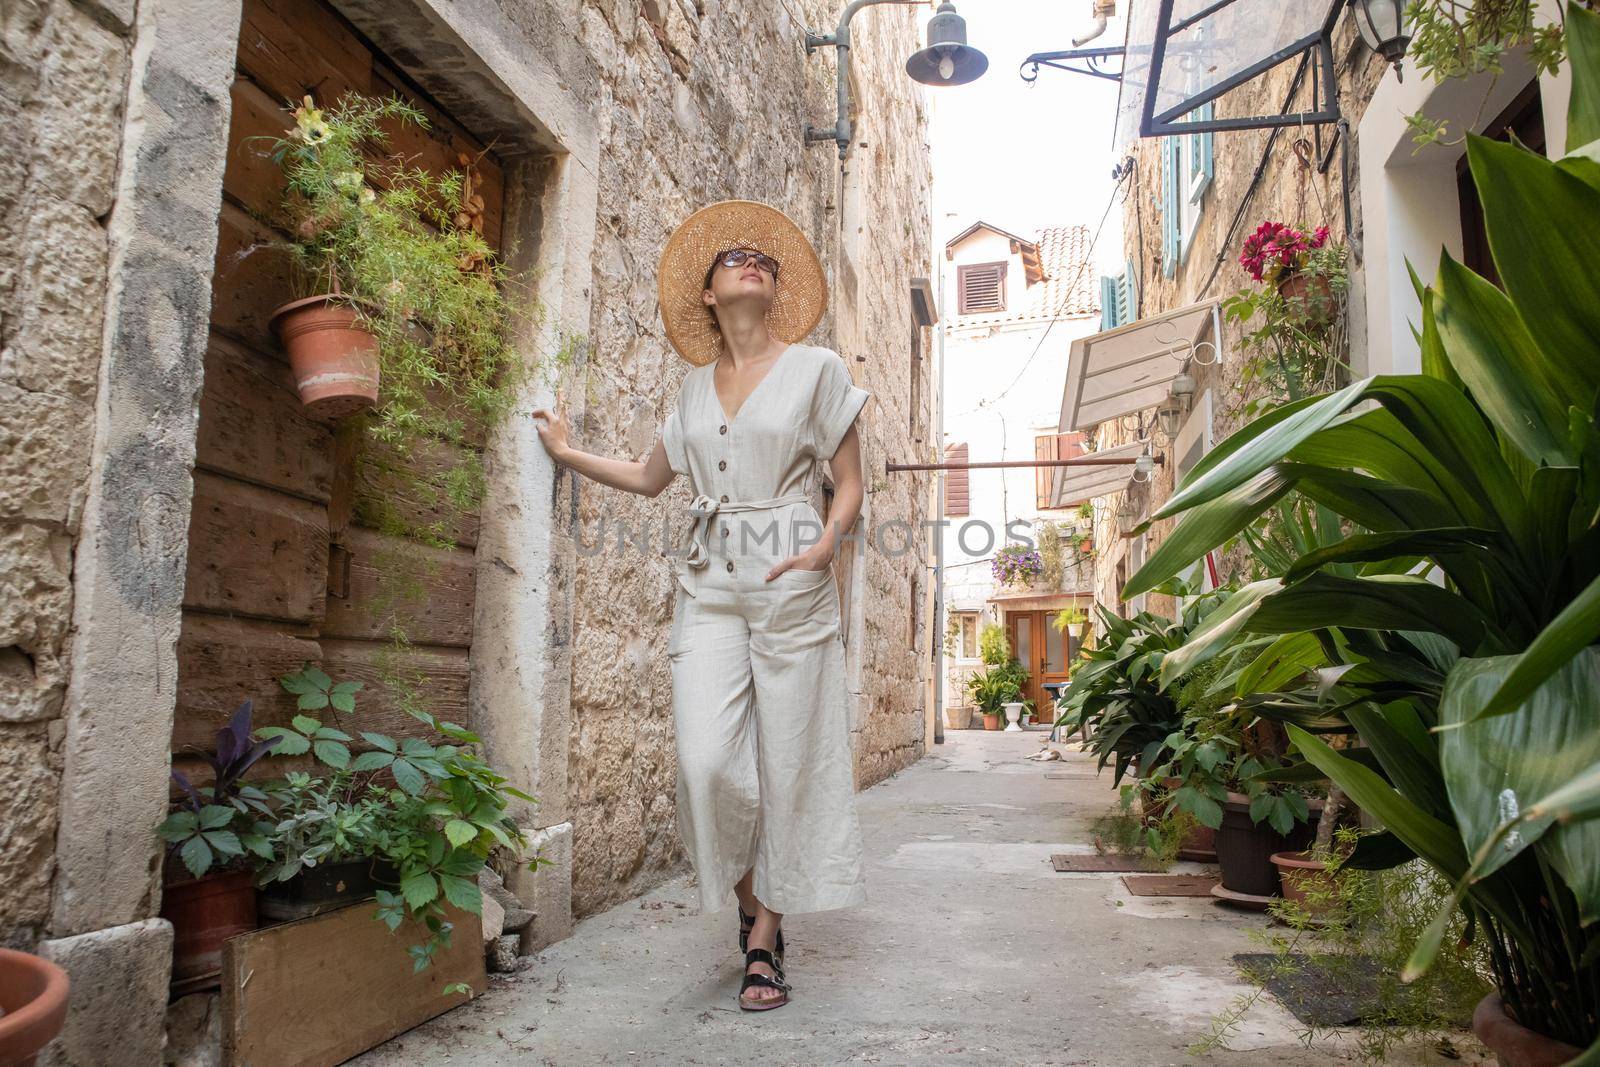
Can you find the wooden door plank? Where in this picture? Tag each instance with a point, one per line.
(254, 428)
(390, 487)
(315, 992)
(442, 681)
(255, 552)
(440, 614)
(251, 280)
(225, 661)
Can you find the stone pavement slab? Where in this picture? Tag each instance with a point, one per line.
(970, 950)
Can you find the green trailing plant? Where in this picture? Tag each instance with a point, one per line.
(1473, 693)
(1353, 932)
(1458, 39)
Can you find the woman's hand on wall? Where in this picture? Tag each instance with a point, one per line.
(646, 478)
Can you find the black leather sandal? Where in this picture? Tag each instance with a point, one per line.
(755, 978)
(746, 922)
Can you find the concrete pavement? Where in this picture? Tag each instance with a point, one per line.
(969, 950)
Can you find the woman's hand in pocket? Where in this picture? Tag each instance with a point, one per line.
(815, 558)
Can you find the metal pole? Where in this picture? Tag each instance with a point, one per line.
(1128, 461)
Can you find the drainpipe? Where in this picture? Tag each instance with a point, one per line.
(1103, 9)
(936, 434)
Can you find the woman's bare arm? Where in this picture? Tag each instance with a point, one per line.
(647, 478)
(842, 511)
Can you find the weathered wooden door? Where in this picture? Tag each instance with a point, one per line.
(1045, 653)
(286, 535)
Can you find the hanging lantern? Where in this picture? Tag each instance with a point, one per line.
(1382, 25)
(948, 59)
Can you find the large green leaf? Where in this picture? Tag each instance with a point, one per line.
(1583, 50)
(1435, 841)
(1568, 634)
(1508, 375)
(1379, 602)
(1219, 629)
(1363, 548)
(1495, 767)
(1260, 448)
(1205, 528)
(1544, 225)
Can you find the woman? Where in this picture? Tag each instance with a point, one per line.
(766, 791)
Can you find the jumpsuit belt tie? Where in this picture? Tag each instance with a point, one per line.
(703, 508)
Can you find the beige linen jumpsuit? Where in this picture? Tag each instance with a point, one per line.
(759, 702)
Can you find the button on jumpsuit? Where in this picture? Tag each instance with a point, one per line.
(765, 778)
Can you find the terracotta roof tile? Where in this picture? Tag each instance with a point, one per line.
(1069, 288)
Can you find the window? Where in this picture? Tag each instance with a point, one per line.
(1187, 164)
(1052, 446)
(955, 481)
(967, 635)
(1119, 297)
(916, 380)
(980, 287)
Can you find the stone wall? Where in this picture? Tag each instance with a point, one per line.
(63, 68)
(699, 102)
(1211, 269)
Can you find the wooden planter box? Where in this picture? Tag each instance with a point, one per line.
(318, 991)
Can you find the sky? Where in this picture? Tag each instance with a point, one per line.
(1024, 156)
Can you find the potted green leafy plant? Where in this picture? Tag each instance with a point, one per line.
(213, 833)
(1472, 693)
(410, 821)
(990, 689)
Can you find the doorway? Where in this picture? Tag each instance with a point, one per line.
(1045, 652)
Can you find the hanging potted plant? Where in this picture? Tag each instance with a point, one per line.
(1287, 258)
(397, 299)
(1017, 565)
(212, 833)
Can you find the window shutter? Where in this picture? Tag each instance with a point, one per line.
(1205, 161)
(1171, 235)
(955, 482)
(981, 287)
(1052, 446)
(1109, 302)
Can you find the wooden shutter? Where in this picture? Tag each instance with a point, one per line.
(1052, 446)
(980, 287)
(955, 482)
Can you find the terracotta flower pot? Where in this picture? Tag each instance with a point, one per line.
(991, 720)
(204, 913)
(33, 1005)
(1303, 878)
(335, 361)
(1513, 1044)
(1245, 848)
(1309, 296)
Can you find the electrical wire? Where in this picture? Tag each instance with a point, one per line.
(1083, 265)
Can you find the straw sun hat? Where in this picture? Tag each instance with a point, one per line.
(801, 293)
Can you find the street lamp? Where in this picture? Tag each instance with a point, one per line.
(948, 60)
(1382, 25)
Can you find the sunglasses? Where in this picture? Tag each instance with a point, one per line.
(737, 257)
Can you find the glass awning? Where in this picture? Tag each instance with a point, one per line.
(1129, 369)
(1181, 54)
(1071, 486)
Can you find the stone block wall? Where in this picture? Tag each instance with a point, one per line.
(63, 71)
(1211, 269)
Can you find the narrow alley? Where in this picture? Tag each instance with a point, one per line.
(970, 950)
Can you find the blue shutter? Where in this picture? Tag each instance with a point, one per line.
(1108, 303)
(1171, 181)
(1207, 161)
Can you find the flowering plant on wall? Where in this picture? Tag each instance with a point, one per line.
(1017, 565)
(1276, 249)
